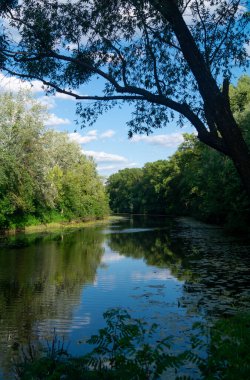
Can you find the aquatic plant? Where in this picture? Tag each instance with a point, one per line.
(128, 348)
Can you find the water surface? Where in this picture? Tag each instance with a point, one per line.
(172, 272)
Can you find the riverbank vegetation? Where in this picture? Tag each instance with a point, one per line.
(44, 177)
(196, 180)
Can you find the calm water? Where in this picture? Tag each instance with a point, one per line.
(172, 272)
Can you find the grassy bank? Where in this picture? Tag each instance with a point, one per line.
(60, 225)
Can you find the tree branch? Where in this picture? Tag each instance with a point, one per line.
(205, 33)
(225, 91)
(136, 94)
(73, 94)
(124, 63)
(153, 59)
(217, 49)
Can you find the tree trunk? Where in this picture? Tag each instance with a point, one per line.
(214, 100)
(238, 149)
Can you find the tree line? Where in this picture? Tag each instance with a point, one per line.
(196, 180)
(44, 176)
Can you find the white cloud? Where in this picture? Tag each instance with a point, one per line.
(115, 167)
(108, 167)
(92, 133)
(13, 84)
(107, 134)
(54, 120)
(47, 101)
(171, 140)
(162, 275)
(60, 95)
(247, 47)
(91, 136)
(104, 157)
(112, 257)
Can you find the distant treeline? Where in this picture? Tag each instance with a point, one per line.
(195, 181)
(44, 176)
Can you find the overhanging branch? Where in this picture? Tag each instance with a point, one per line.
(131, 93)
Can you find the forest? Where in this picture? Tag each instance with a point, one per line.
(195, 181)
(44, 177)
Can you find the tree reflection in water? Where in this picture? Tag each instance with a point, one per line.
(214, 266)
(42, 278)
(40, 284)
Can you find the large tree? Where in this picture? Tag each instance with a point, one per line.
(165, 57)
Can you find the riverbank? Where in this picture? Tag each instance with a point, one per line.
(59, 226)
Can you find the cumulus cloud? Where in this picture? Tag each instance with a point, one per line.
(171, 140)
(107, 134)
(10, 83)
(104, 157)
(93, 132)
(90, 136)
(13, 84)
(54, 120)
(47, 101)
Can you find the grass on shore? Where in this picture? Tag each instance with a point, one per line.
(62, 225)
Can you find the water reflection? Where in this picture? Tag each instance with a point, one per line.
(215, 267)
(170, 271)
(40, 284)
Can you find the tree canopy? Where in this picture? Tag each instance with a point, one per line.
(163, 57)
(196, 180)
(43, 175)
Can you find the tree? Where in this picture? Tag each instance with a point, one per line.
(161, 56)
(22, 158)
(5, 6)
(125, 189)
(191, 181)
(43, 175)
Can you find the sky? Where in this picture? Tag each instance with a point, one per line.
(107, 141)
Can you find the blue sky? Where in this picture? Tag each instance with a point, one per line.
(107, 141)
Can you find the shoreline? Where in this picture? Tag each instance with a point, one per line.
(58, 226)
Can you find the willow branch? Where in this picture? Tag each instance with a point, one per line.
(124, 63)
(205, 32)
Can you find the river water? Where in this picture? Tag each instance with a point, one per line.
(170, 271)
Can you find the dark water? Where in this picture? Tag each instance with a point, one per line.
(173, 272)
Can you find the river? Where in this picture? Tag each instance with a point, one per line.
(170, 271)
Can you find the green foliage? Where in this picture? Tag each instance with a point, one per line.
(125, 349)
(152, 61)
(124, 189)
(124, 346)
(42, 173)
(227, 345)
(196, 180)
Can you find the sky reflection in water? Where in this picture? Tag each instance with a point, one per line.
(172, 272)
